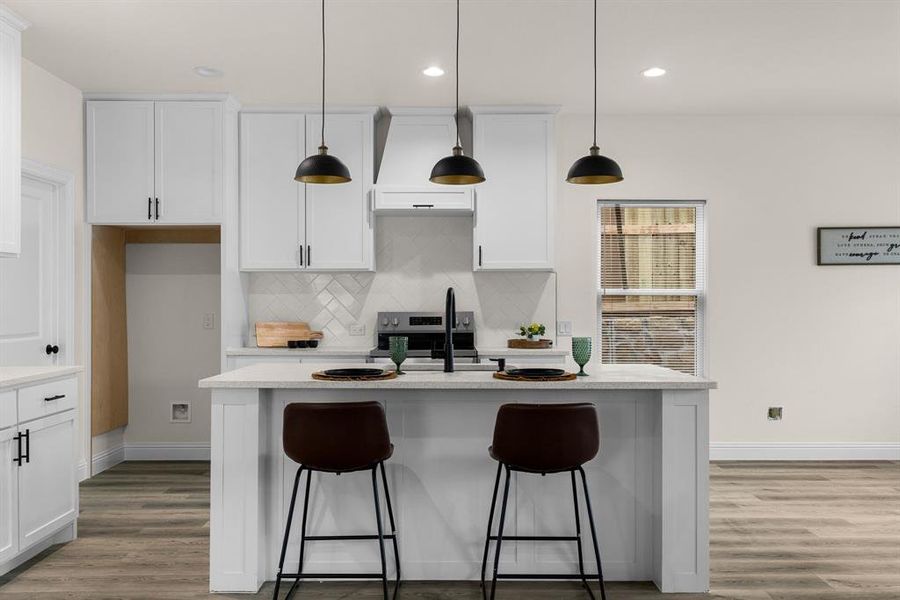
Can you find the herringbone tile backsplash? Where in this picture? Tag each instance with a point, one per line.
(417, 259)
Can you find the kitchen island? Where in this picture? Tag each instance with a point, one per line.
(649, 484)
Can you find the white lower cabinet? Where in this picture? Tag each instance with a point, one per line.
(47, 487)
(9, 495)
(38, 483)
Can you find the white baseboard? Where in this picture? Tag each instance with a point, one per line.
(803, 451)
(83, 472)
(107, 459)
(167, 451)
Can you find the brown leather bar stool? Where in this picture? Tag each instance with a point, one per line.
(337, 438)
(544, 438)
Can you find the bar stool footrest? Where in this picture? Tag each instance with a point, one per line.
(325, 538)
(300, 576)
(534, 538)
(546, 576)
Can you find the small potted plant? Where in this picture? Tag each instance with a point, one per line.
(533, 332)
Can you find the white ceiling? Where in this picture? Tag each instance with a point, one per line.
(723, 56)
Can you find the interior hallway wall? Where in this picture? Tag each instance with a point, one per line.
(824, 342)
(53, 134)
(169, 289)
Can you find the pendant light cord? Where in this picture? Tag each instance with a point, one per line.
(323, 73)
(457, 74)
(595, 73)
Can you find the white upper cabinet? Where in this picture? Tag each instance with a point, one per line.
(119, 137)
(272, 211)
(189, 158)
(514, 207)
(289, 226)
(154, 162)
(339, 232)
(11, 27)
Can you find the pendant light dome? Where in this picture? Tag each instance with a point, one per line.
(322, 167)
(457, 169)
(594, 168)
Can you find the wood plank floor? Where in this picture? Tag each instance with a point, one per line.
(779, 531)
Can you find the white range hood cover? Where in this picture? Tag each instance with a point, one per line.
(417, 138)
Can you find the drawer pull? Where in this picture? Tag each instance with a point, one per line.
(18, 458)
(52, 398)
(423, 205)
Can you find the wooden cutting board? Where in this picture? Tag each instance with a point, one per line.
(529, 344)
(276, 334)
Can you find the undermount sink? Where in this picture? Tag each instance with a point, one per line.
(439, 366)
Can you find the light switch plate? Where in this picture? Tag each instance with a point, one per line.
(358, 329)
(209, 320)
(564, 328)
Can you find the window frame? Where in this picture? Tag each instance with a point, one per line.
(701, 276)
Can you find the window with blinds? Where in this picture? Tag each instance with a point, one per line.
(651, 284)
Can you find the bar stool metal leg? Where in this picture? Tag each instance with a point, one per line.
(302, 536)
(287, 530)
(387, 496)
(587, 500)
(380, 532)
(500, 533)
(487, 538)
(578, 536)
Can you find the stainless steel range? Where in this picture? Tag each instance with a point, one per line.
(425, 331)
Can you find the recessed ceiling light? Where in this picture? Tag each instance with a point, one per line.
(433, 71)
(208, 71)
(653, 72)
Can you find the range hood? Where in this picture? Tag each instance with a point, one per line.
(416, 139)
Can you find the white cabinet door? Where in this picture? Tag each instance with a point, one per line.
(189, 162)
(10, 137)
(119, 147)
(9, 519)
(272, 217)
(339, 233)
(514, 207)
(47, 488)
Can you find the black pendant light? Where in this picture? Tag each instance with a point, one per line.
(594, 168)
(457, 169)
(322, 167)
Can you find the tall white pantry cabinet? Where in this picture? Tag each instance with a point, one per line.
(11, 27)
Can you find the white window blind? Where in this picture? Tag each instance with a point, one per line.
(651, 284)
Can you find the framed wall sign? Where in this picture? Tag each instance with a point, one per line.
(858, 246)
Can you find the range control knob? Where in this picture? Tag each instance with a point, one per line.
(395, 322)
(384, 322)
(466, 322)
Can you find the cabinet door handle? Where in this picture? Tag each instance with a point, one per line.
(479, 255)
(18, 458)
(51, 349)
(308, 256)
(157, 209)
(149, 209)
(56, 397)
(27, 437)
(301, 255)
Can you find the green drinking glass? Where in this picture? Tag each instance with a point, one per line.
(581, 352)
(398, 346)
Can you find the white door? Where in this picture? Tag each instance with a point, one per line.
(47, 489)
(338, 220)
(119, 147)
(9, 520)
(271, 203)
(29, 285)
(189, 161)
(514, 207)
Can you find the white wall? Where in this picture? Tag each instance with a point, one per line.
(824, 342)
(52, 133)
(169, 287)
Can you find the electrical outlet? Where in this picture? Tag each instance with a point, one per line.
(209, 320)
(564, 328)
(774, 413)
(358, 329)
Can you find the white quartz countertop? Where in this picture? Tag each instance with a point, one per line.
(605, 377)
(16, 376)
(488, 352)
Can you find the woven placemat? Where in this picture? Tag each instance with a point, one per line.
(507, 377)
(321, 376)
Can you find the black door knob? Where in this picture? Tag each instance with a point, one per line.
(51, 349)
